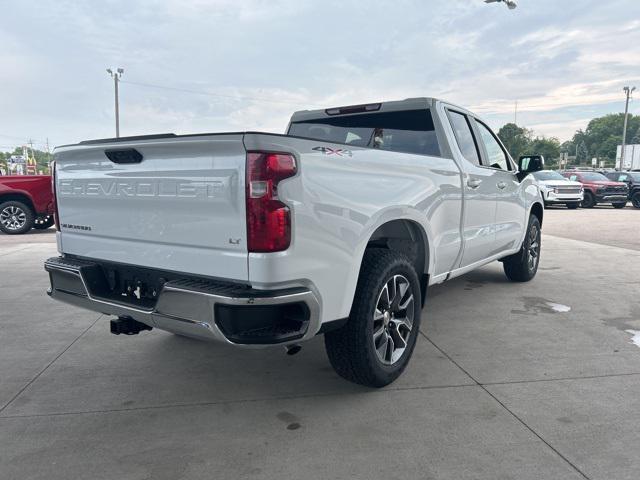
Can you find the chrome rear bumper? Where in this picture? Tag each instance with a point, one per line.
(184, 306)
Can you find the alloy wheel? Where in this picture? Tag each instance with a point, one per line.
(533, 252)
(393, 319)
(13, 218)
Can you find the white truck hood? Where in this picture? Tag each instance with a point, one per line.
(558, 183)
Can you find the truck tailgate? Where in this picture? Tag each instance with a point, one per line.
(181, 208)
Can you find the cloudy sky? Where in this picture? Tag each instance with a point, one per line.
(215, 65)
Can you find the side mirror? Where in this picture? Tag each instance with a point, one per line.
(528, 164)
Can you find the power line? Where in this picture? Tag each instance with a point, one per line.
(219, 95)
(527, 107)
(23, 139)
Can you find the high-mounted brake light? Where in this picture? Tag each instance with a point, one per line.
(268, 219)
(370, 107)
(56, 218)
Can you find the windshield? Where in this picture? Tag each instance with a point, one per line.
(548, 175)
(409, 131)
(594, 177)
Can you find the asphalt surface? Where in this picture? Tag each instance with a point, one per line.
(508, 381)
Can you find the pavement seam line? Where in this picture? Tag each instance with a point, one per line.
(48, 365)
(560, 379)
(233, 402)
(522, 422)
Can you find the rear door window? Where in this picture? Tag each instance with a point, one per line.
(496, 156)
(407, 131)
(464, 136)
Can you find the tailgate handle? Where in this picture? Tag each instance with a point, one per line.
(124, 155)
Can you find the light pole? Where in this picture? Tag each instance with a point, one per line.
(116, 79)
(509, 3)
(628, 91)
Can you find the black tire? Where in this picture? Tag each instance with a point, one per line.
(589, 201)
(573, 205)
(635, 200)
(523, 266)
(15, 217)
(353, 351)
(42, 223)
(619, 205)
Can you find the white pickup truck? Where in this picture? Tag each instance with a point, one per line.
(256, 239)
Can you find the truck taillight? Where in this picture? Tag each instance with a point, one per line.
(268, 219)
(56, 219)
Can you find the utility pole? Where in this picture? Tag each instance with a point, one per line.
(116, 75)
(628, 91)
(48, 157)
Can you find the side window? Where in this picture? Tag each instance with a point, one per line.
(496, 156)
(623, 178)
(574, 178)
(464, 136)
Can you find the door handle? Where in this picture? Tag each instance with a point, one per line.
(501, 185)
(474, 182)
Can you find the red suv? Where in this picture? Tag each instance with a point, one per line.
(26, 202)
(599, 189)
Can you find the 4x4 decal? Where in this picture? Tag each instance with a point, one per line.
(334, 151)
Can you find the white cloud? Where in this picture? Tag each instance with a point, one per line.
(563, 61)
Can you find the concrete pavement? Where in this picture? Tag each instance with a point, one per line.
(505, 383)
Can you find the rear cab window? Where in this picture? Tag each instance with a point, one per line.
(406, 131)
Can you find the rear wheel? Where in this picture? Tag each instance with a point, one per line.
(15, 217)
(523, 266)
(619, 205)
(589, 201)
(572, 205)
(374, 347)
(635, 200)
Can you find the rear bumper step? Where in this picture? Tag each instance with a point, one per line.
(202, 309)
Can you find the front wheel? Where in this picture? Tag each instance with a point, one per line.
(573, 205)
(15, 217)
(619, 205)
(523, 266)
(635, 200)
(374, 347)
(589, 201)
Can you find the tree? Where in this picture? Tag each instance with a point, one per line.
(547, 147)
(582, 153)
(42, 158)
(516, 139)
(604, 134)
(636, 138)
(568, 147)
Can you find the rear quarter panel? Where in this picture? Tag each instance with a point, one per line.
(339, 200)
